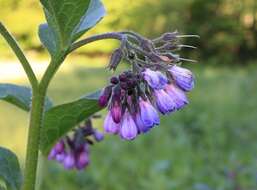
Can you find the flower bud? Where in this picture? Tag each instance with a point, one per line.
(114, 80)
(82, 160)
(109, 125)
(178, 95)
(115, 59)
(155, 79)
(69, 161)
(169, 36)
(116, 111)
(128, 129)
(98, 135)
(184, 78)
(149, 115)
(163, 101)
(52, 154)
(105, 96)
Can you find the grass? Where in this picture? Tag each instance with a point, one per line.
(210, 145)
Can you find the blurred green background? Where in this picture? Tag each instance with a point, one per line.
(210, 145)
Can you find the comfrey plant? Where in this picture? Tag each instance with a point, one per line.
(155, 82)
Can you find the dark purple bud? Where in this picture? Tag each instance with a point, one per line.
(116, 111)
(110, 126)
(98, 135)
(114, 80)
(82, 160)
(105, 96)
(148, 113)
(115, 59)
(163, 101)
(69, 161)
(177, 95)
(128, 129)
(123, 77)
(184, 78)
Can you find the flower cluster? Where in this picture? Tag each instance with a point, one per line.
(156, 83)
(73, 151)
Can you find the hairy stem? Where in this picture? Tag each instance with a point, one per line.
(111, 35)
(36, 117)
(36, 121)
(20, 55)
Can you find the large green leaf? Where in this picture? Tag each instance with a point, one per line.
(67, 20)
(19, 96)
(61, 119)
(10, 171)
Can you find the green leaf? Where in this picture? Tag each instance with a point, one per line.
(19, 96)
(10, 169)
(61, 119)
(67, 20)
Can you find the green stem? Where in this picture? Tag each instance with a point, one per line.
(36, 120)
(20, 55)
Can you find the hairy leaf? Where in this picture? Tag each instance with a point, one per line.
(61, 119)
(10, 171)
(67, 20)
(19, 96)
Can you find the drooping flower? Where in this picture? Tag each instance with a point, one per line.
(155, 79)
(164, 102)
(116, 111)
(72, 151)
(128, 129)
(140, 125)
(184, 78)
(149, 115)
(177, 95)
(69, 161)
(109, 125)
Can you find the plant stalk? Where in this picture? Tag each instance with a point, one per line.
(36, 117)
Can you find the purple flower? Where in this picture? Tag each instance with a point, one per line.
(105, 96)
(128, 129)
(184, 78)
(59, 147)
(149, 115)
(140, 125)
(98, 135)
(60, 157)
(116, 112)
(69, 161)
(82, 160)
(52, 154)
(155, 79)
(177, 95)
(164, 102)
(110, 126)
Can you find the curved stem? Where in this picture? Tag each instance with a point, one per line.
(111, 35)
(20, 55)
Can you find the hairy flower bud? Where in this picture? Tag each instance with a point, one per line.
(98, 135)
(149, 115)
(82, 160)
(184, 78)
(163, 101)
(155, 79)
(105, 96)
(177, 95)
(115, 59)
(169, 36)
